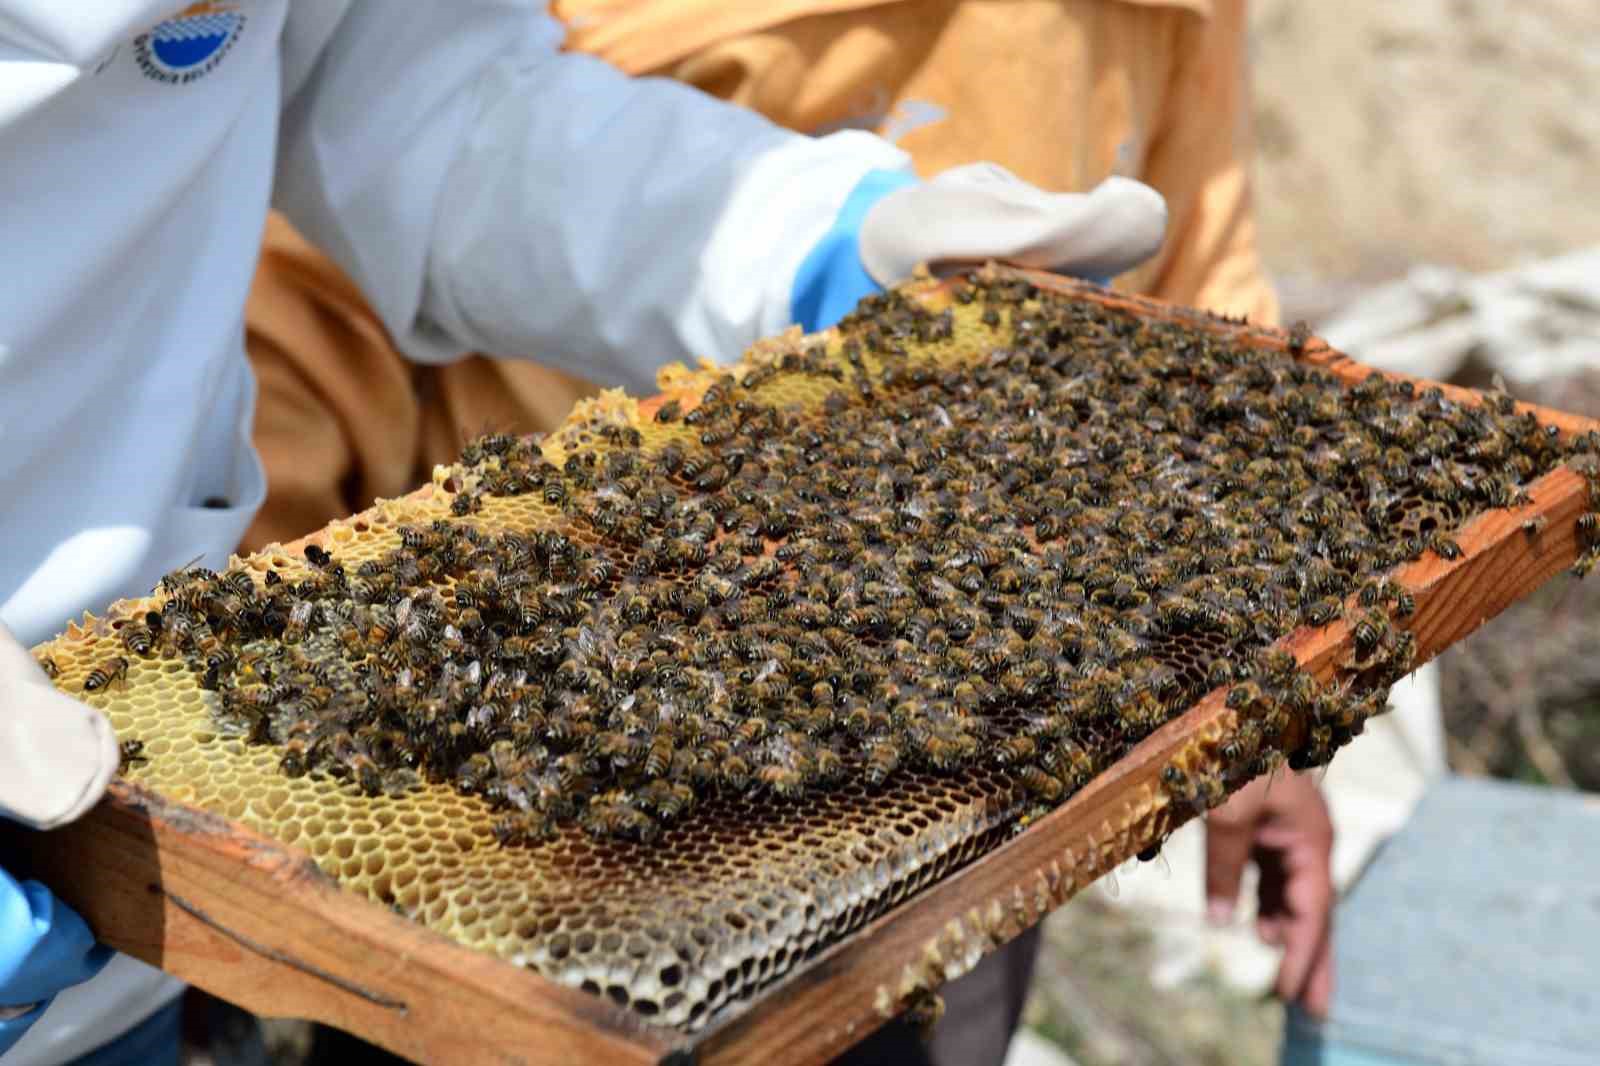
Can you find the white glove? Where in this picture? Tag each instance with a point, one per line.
(982, 211)
(892, 223)
(56, 754)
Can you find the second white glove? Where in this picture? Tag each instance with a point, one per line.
(982, 211)
(56, 755)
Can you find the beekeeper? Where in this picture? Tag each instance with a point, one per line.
(486, 192)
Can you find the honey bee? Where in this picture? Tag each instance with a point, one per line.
(1244, 696)
(1015, 749)
(612, 815)
(130, 752)
(1588, 528)
(659, 756)
(1175, 781)
(520, 828)
(1373, 592)
(1444, 546)
(1040, 783)
(177, 622)
(112, 670)
(299, 749)
(1279, 664)
(944, 749)
(48, 665)
(883, 759)
(668, 800)
(1243, 744)
(923, 1010)
(785, 782)
(1368, 631)
(255, 707)
(671, 458)
(1322, 612)
(1402, 654)
(298, 621)
(474, 773)
(350, 637)
(596, 572)
(353, 760)
(1210, 791)
(1299, 336)
(1269, 762)
(138, 639)
(240, 583)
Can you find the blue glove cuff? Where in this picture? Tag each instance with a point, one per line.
(832, 280)
(44, 947)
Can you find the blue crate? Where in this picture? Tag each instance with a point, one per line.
(1473, 938)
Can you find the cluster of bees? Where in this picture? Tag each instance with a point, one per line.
(1028, 559)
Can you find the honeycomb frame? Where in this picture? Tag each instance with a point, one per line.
(285, 941)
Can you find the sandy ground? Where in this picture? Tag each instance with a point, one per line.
(1460, 132)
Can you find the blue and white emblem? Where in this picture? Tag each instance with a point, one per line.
(190, 44)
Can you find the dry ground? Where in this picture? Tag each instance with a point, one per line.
(1460, 132)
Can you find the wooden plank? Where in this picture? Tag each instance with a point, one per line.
(260, 925)
(257, 923)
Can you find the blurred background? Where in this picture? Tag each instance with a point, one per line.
(1459, 133)
(1426, 195)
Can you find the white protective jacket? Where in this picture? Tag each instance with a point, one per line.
(488, 192)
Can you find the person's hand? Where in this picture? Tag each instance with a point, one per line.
(1282, 824)
(44, 948)
(56, 757)
(963, 217)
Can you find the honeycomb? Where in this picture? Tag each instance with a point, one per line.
(668, 702)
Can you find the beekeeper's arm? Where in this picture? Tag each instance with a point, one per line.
(490, 192)
(56, 757)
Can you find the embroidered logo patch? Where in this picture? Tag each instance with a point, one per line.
(190, 44)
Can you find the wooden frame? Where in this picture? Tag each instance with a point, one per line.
(256, 922)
